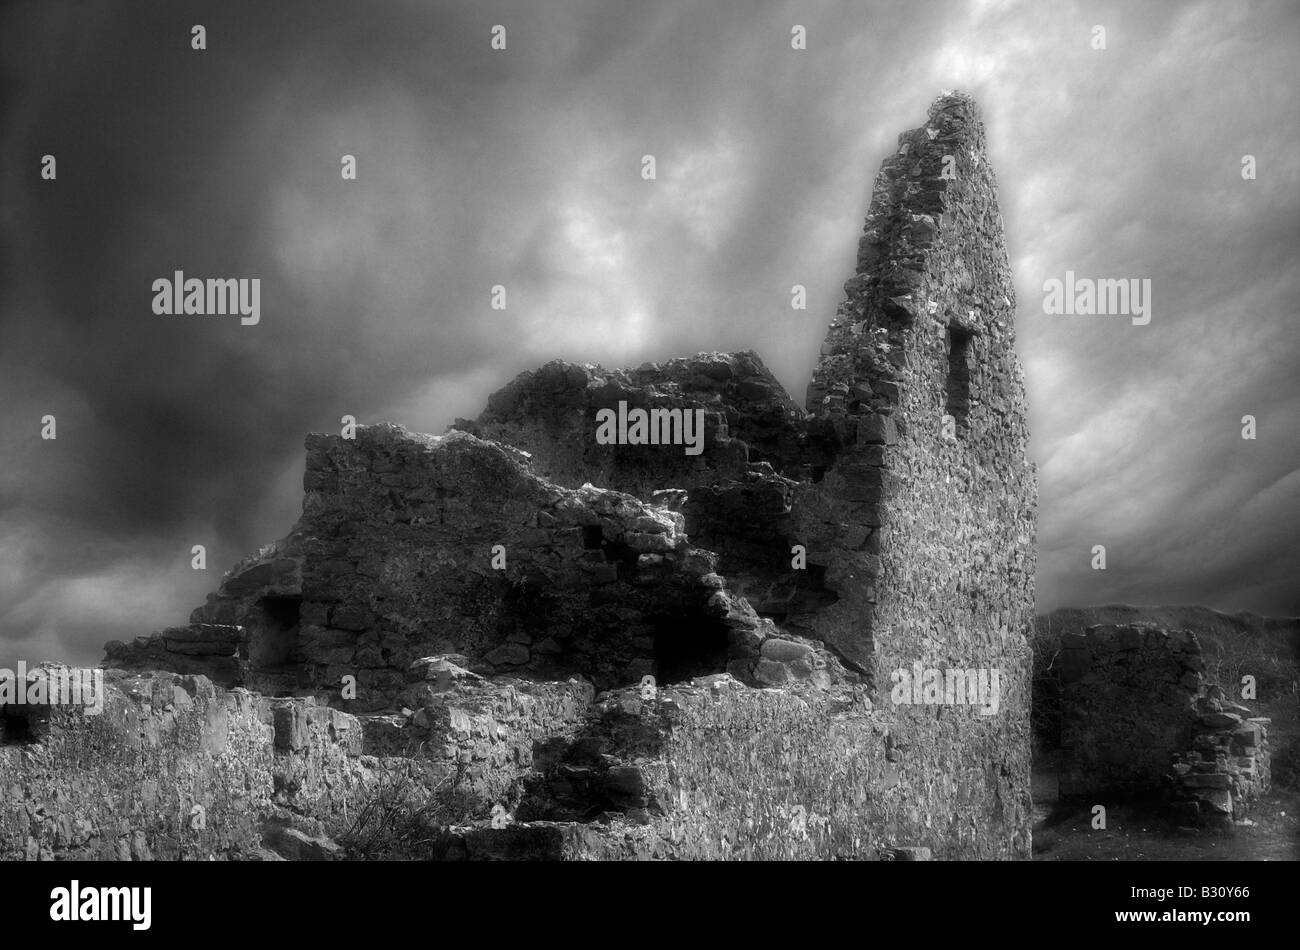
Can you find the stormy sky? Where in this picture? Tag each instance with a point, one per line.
(522, 167)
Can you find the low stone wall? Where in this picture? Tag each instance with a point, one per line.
(175, 768)
(172, 768)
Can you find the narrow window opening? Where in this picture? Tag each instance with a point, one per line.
(274, 646)
(957, 403)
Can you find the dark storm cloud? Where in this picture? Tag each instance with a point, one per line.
(522, 168)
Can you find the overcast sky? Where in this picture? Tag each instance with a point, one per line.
(522, 167)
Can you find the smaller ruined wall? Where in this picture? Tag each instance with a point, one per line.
(246, 634)
(1138, 720)
(486, 732)
(197, 649)
(1128, 706)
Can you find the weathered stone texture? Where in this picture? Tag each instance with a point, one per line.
(482, 586)
(734, 773)
(173, 768)
(1227, 768)
(944, 575)
(949, 560)
(396, 549)
(748, 417)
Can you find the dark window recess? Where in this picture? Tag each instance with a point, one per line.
(814, 577)
(811, 594)
(687, 646)
(274, 644)
(591, 536)
(957, 404)
(15, 728)
(623, 555)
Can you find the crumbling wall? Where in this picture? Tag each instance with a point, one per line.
(477, 589)
(415, 545)
(1139, 721)
(1227, 768)
(736, 495)
(247, 633)
(423, 545)
(172, 768)
(205, 649)
(748, 416)
(175, 768)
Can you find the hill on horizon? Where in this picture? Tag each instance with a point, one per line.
(1233, 645)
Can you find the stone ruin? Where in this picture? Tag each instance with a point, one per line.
(480, 610)
(1139, 722)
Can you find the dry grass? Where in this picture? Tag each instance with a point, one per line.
(403, 819)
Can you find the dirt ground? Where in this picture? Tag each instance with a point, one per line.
(1271, 831)
(1135, 835)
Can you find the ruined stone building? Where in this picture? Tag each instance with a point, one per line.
(482, 608)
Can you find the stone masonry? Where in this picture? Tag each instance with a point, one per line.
(483, 608)
(1139, 721)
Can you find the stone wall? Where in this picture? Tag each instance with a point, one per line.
(1226, 769)
(736, 773)
(381, 562)
(487, 601)
(173, 768)
(1128, 705)
(925, 524)
(1138, 721)
(397, 555)
(748, 416)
